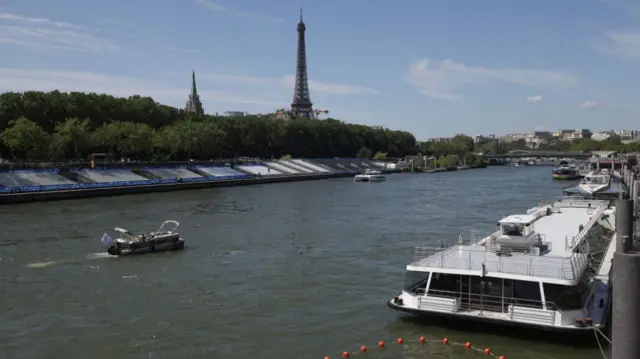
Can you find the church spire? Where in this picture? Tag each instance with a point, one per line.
(194, 90)
(193, 103)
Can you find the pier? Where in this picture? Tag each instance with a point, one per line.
(625, 273)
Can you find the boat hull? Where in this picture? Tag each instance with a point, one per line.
(369, 179)
(566, 177)
(492, 321)
(161, 247)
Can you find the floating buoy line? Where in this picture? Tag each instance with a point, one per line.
(401, 342)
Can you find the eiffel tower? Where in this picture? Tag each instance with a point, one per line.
(301, 107)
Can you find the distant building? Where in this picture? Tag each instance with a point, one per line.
(628, 135)
(487, 138)
(561, 134)
(193, 103)
(235, 114)
(601, 135)
(578, 135)
(536, 138)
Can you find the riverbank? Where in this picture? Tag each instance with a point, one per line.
(46, 196)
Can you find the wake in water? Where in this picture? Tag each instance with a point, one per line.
(48, 264)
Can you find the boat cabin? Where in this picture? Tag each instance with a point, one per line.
(517, 234)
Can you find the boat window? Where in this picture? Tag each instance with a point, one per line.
(511, 229)
(527, 294)
(444, 284)
(414, 281)
(566, 297)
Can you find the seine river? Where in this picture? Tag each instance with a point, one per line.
(293, 270)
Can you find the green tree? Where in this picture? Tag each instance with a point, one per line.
(26, 140)
(138, 127)
(71, 139)
(364, 153)
(380, 156)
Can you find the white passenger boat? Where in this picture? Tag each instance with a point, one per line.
(162, 239)
(535, 271)
(598, 184)
(370, 176)
(595, 181)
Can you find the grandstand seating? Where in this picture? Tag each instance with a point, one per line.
(259, 170)
(32, 178)
(310, 165)
(110, 175)
(222, 172)
(281, 168)
(177, 172)
(295, 166)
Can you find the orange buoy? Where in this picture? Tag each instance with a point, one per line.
(502, 357)
(467, 345)
(487, 351)
(445, 340)
(400, 341)
(326, 357)
(363, 349)
(346, 354)
(381, 344)
(422, 339)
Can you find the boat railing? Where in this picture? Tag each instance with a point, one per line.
(169, 223)
(484, 260)
(595, 214)
(575, 202)
(517, 309)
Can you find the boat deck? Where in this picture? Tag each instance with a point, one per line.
(559, 230)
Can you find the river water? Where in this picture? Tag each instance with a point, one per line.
(293, 270)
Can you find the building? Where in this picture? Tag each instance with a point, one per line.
(578, 135)
(561, 134)
(536, 138)
(628, 135)
(235, 114)
(193, 103)
(601, 135)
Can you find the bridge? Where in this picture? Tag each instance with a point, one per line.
(539, 154)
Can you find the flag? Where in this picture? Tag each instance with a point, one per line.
(106, 239)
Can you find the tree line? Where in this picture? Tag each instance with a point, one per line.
(48, 126)
(461, 145)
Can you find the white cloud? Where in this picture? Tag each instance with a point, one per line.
(536, 98)
(5, 16)
(589, 104)
(42, 33)
(619, 43)
(444, 80)
(214, 6)
(67, 81)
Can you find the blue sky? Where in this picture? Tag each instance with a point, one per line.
(435, 68)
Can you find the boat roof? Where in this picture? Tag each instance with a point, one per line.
(518, 219)
(560, 264)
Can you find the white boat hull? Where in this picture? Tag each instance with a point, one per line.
(369, 178)
(542, 319)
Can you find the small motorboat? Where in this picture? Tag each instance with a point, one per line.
(370, 176)
(164, 239)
